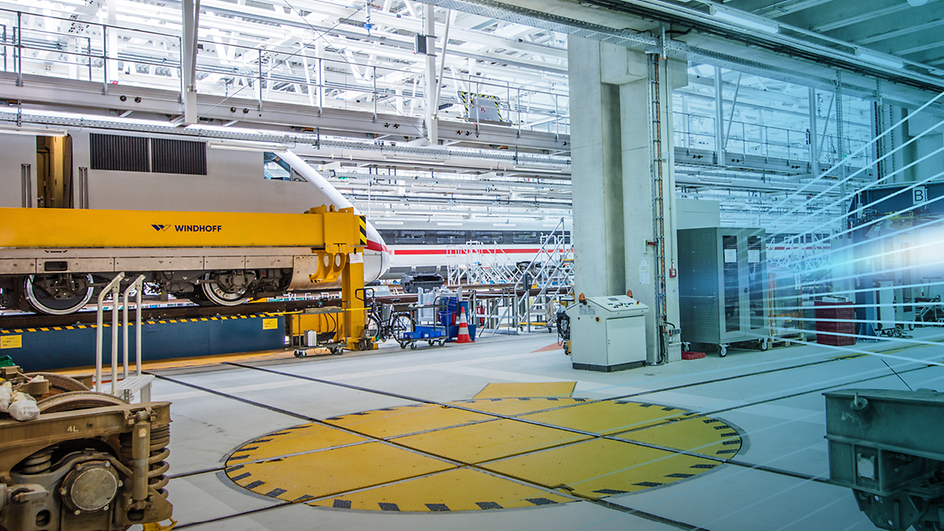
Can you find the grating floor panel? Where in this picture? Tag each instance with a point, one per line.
(599, 468)
(395, 421)
(610, 416)
(488, 440)
(514, 463)
(521, 390)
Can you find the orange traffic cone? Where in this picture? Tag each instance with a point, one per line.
(463, 329)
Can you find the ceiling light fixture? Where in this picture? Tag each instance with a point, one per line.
(744, 19)
(416, 159)
(879, 59)
(246, 146)
(539, 167)
(32, 131)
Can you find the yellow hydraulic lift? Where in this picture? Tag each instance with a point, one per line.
(334, 238)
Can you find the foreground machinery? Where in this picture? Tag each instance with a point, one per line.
(887, 447)
(88, 462)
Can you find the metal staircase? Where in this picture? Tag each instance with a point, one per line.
(551, 273)
(479, 263)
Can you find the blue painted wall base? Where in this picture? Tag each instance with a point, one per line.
(74, 346)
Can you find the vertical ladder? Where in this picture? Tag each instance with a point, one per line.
(658, 203)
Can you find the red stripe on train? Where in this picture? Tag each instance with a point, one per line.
(375, 246)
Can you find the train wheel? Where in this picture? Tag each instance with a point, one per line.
(226, 288)
(59, 294)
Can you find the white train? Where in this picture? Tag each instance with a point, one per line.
(88, 169)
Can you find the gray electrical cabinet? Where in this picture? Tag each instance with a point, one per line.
(608, 333)
(722, 275)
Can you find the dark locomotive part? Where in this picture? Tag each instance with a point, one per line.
(89, 462)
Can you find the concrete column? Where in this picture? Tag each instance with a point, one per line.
(612, 177)
(597, 174)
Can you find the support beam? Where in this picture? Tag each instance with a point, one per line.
(840, 147)
(719, 118)
(812, 135)
(442, 63)
(432, 121)
(734, 102)
(191, 22)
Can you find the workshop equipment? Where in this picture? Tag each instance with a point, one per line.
(89, 462)
(722, 287)
(607, 333)
(886, 446)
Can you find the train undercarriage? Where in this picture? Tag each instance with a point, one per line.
(232, 258)
(88, 462)
(65, 293)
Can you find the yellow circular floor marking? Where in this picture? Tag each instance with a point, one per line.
(463, 456)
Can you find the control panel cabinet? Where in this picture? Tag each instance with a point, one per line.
(722, 286)
(608, 333)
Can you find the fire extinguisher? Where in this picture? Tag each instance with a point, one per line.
(481, 311)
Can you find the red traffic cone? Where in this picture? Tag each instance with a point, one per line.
(463, 330)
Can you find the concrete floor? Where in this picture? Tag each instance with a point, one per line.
(774, 398)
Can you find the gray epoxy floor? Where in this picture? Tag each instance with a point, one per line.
(781, 414)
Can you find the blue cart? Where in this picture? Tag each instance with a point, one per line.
(432, 333)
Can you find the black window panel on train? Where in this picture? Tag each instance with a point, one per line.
(525, 237)
(178, 156)
(118, 153)
(410, 237)
(451, 236)
(490, 236)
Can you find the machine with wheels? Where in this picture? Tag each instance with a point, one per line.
(886, 446)
(88, 462)
(723, 287)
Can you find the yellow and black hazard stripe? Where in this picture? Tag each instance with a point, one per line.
(158, 321)
(363, 225)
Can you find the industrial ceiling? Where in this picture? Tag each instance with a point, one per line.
(342, 83)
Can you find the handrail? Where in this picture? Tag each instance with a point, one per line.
(112, 287)
(256, 72)
(139, 285)
(82, 22)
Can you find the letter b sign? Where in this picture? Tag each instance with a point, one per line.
(920, 194)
